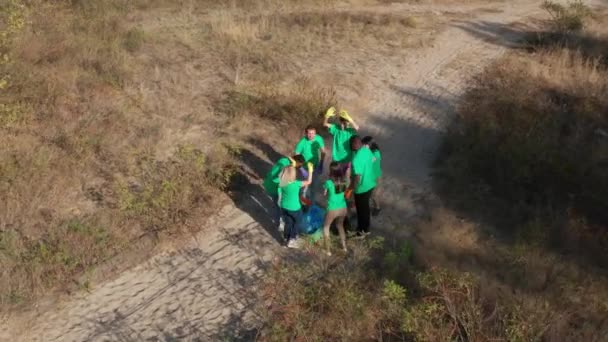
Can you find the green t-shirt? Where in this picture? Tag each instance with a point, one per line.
(271, 181)
(341, 151)
(363, 165)
(334, 201)
(290, 196)
(309, 149)
(377, 163)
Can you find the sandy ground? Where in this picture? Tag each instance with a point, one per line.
(205, 291)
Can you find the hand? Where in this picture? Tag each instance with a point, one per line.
(330, 112)
(310, 167)
(344, 115)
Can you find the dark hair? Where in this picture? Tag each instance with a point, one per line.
(368, 140)
(355, 139)
(309, 128)
(299, 159)
(336, 174)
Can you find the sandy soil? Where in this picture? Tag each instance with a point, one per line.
(206, 289)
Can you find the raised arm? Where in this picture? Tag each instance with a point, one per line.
(330, 112)
(354, 124)
(344, 115)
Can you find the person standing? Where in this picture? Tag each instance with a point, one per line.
(341, 133)
(291, 208)
(363, 183)
(373, 146)
(335, 187)
(312, 148)
(271, 183)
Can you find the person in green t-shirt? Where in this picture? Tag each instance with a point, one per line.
(312, 148)
(291, 208)
(271, 182)
(341, 133)
(363, 183)
(373, 146)
(335, 187)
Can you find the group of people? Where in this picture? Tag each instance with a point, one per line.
(354, 175)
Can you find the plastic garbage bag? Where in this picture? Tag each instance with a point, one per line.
(313, 220)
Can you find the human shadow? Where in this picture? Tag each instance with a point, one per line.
(256, 158)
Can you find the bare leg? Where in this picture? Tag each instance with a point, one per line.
(340, 224)
(329, 217)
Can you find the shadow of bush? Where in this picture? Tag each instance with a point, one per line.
(529, 152)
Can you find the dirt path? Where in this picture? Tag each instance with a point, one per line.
(205, 291)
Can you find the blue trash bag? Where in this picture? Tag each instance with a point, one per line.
(313, 220)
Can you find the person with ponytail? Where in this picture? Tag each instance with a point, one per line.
(289, 201)
(335, 187)
(271, 183)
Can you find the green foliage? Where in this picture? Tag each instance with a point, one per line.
(167, 192)
(12, 20)
(567, 18)
(355, 300)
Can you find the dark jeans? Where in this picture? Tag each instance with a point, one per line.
(293, 222)
(363, 210)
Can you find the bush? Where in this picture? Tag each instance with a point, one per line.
(567, 18)
(353, 299)
(297, 105)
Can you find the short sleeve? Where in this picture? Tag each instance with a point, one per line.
(327, 184)
(357, 167)
(332, 129)
(299, 147)
(320, 141)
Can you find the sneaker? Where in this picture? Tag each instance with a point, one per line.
(293, 243)
(362, 235)
(328, 253)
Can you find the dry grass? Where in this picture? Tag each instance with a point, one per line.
(378, 293)
(108, 108)
(525, 166)
(80, 158)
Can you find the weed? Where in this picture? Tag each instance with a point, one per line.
(134, 39)
(567, 18)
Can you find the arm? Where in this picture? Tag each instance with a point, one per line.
(355, 182)
(309, 180)
(326, 122)
(330, 112)
(354, 124)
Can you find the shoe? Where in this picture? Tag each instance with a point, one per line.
(362, 235)
(293, 243)
(328, 253)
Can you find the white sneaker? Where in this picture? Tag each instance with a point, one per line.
(293, 243)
